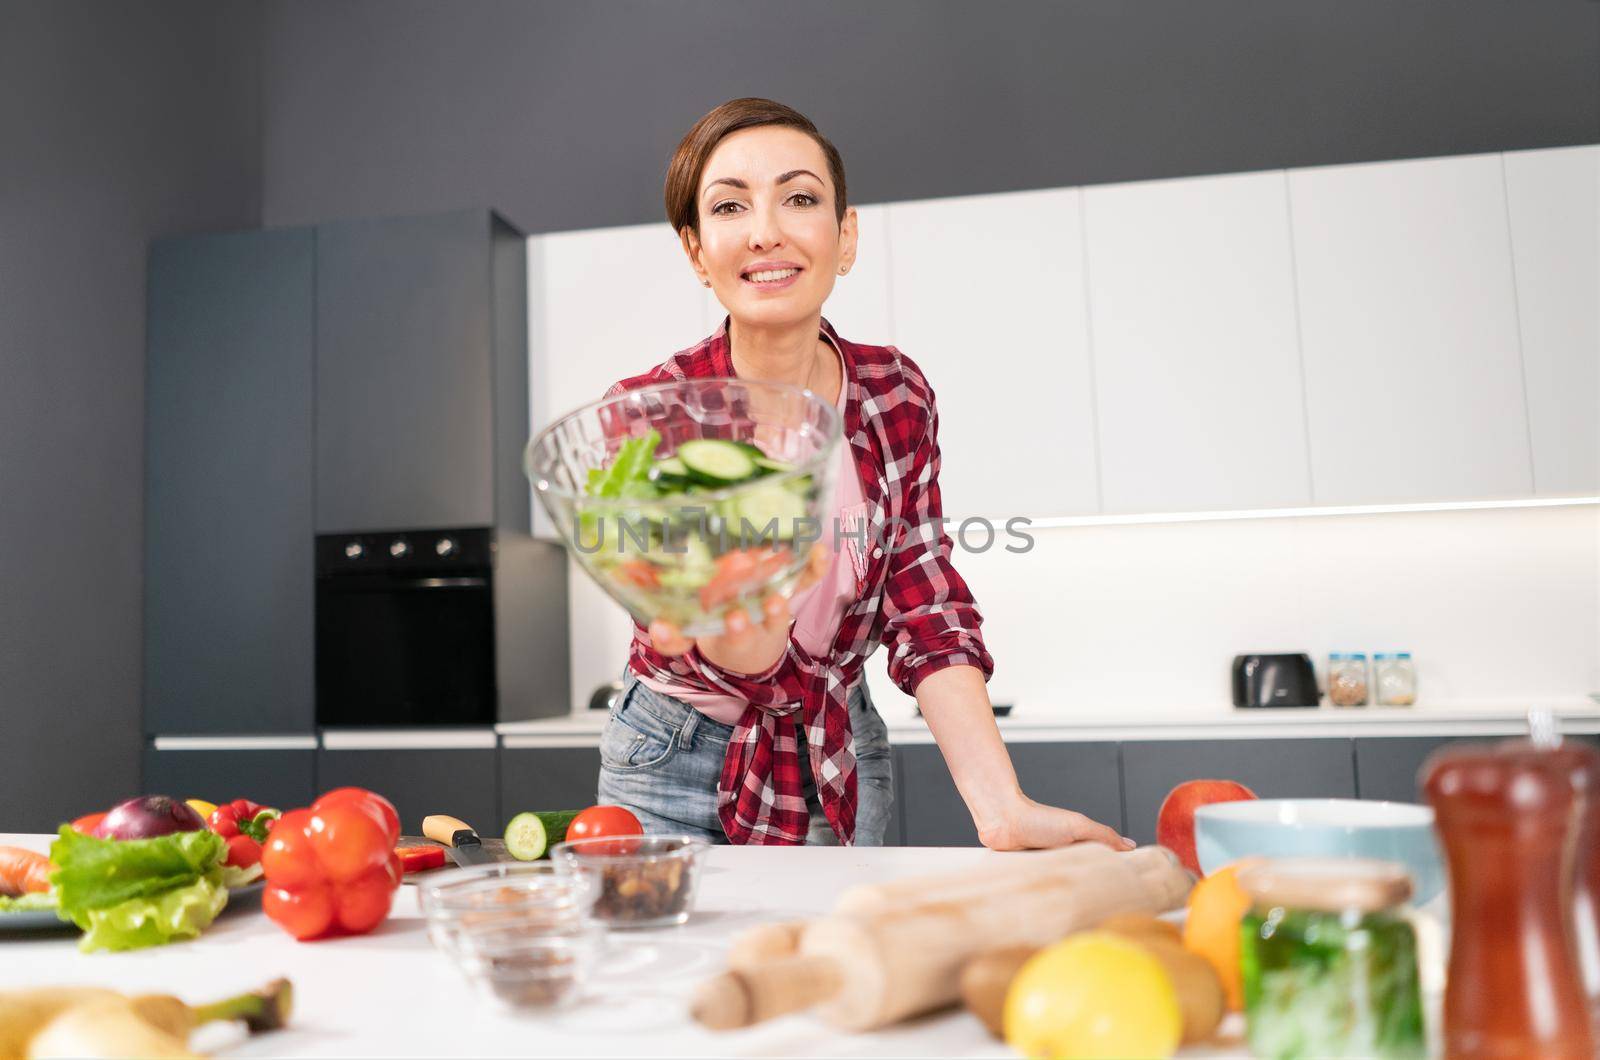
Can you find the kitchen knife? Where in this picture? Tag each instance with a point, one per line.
(466, 848)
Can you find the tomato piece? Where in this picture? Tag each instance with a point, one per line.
(242, 852)
(305, 913)
(364, 902)
(599, 821)
(739, 572)
(348, 841)
(288, 857)
(640, 573)
(88, 823)
(379, 807)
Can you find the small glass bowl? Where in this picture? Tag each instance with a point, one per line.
(522, 933)
(638, 881)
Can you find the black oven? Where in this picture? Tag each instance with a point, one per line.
(405, 629)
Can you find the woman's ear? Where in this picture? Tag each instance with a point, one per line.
(691, 248)
(848, 231)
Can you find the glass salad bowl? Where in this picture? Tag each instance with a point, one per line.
(685, 500)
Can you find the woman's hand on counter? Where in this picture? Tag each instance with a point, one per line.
(746, 647)
(1029, 825)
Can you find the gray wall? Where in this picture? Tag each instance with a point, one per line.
(118, 122)
(563, 113)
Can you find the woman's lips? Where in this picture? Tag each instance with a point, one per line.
(772, 285)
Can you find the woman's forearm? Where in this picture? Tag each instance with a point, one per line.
(955, 703)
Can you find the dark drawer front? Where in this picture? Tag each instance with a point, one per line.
(460, 783)
(548, 778)
(1079, 776)
(273, 778)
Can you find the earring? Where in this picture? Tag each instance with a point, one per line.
(843, 269)
(706, 283)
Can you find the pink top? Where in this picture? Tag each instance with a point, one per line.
(818, 609)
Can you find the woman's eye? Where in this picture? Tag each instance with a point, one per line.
(802, 199)
(725, 207)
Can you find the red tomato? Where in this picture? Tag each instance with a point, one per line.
(739, 572)
(305, 913)
(364, 902)
(599, 821)
(639, 572)
(287, 857)
(349, 841)
(88, 823)
(381, 808)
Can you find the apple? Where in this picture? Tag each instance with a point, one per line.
(1175, 822)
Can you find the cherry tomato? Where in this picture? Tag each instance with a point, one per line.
(288, 857)
(370, 801)
(88, 823)
(599, 821)
(304, 913)
(349, 842)
(639, 572)
(739, 572)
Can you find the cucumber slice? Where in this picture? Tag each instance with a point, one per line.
(715, 462)
(671, 466)
(766, 463)
(529, 836)
(763, 504)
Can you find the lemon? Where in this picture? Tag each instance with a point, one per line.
(202, 807)
(1093, 995)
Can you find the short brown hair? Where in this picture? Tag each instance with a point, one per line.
(689, 160)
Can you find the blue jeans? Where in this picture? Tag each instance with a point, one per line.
(661, 759)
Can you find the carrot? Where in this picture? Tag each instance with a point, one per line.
(23, 871)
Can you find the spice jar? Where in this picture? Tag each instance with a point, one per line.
(1347, 679)
(1396, 679)
(1329, 960)
(1508, 819)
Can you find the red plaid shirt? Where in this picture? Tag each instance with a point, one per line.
(912, 601)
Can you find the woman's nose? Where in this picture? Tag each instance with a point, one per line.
(766, 231)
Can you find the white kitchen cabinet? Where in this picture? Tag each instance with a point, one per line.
(1196, 354)
(1555, 246)
(1409, 331)
(988, 299)
(603, 305)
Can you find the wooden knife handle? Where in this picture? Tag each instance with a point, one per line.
(443, 828)
(747, 996)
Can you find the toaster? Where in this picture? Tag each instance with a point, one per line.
(1274, 681)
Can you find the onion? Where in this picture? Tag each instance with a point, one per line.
(149, 816)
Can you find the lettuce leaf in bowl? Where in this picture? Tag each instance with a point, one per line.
(28, 903)
(127, 893)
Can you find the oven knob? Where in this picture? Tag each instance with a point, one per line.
(354, 550)
(399, 548)
(445, 546)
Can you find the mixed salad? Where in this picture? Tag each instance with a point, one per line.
(682, 537)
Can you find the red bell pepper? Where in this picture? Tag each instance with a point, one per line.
(245, 826)
(418, 858)
(332, 869)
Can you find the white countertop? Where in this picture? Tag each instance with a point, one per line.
(1497, 719)
(391, 994)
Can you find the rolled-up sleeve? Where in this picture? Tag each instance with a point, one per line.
(930, 619)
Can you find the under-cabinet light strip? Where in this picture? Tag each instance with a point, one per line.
(1057, 521)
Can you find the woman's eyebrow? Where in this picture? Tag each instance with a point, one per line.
(782, 179)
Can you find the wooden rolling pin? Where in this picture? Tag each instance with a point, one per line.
(876, 964)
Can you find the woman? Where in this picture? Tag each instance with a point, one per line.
(765, 733)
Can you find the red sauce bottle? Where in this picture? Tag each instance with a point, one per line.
(1509, 819)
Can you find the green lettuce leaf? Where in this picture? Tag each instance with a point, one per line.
(181, 913)
(26, 903)
(126, 893)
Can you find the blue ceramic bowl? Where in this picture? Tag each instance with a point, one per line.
(1401, 832)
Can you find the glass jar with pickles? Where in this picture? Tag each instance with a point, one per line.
(1329, 960)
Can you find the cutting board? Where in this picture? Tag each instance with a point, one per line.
(495, 847)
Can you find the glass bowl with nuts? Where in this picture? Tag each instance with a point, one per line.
(638, 881)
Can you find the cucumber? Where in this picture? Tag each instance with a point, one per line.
(715, 462)
(766, 463)
(529, 836)
(672, 467)
(762, 504)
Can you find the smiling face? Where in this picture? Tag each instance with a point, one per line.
(769, 241)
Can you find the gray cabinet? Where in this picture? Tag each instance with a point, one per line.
(458, 782)
(421, 376)
(228, 484)
(281, 778)
(547, 778)
(1304, 768)
(1390, 767)
(1079, 776)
